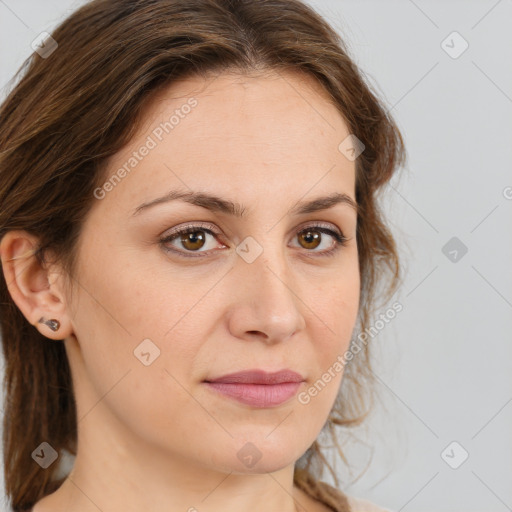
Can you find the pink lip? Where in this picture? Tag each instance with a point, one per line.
(257, 387)
(259, 377)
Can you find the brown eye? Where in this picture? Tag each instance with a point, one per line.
(193, 240)
(317, 237)
(190, 240)
(310, 239)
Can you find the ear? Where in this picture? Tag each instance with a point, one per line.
(38, 292)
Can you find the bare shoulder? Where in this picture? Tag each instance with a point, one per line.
(362, 505)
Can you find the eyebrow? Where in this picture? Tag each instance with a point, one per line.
(218, 204)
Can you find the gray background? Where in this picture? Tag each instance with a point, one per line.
(444, 363)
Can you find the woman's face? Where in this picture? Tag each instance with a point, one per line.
(152, 320)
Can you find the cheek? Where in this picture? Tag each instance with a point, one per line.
(131, 305)
(336, 310)
(150, 401)
(336, 307)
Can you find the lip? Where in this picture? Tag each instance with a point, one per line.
(257, 387)
(259, 377)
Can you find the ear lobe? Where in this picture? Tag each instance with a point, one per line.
(30, 287)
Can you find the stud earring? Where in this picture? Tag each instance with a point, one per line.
(53, 324)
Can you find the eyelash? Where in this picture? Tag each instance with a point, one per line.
(340, 239)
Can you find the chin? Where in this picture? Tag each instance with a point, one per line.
(264, 453)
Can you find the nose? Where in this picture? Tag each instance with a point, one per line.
(265, 305)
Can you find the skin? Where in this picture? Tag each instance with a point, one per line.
(154, 435)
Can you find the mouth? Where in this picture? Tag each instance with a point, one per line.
(259, 377)
(257, 388)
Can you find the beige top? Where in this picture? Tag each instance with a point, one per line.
(362, 505)
(337, 500)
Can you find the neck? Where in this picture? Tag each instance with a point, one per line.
(114, 473)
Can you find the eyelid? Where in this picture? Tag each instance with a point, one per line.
(197, 224)
(319, 224)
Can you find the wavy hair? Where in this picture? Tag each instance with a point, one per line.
(69, 112)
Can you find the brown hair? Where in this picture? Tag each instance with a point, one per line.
(72, 110)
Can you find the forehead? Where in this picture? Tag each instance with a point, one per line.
(256, 106)
(236, 132)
